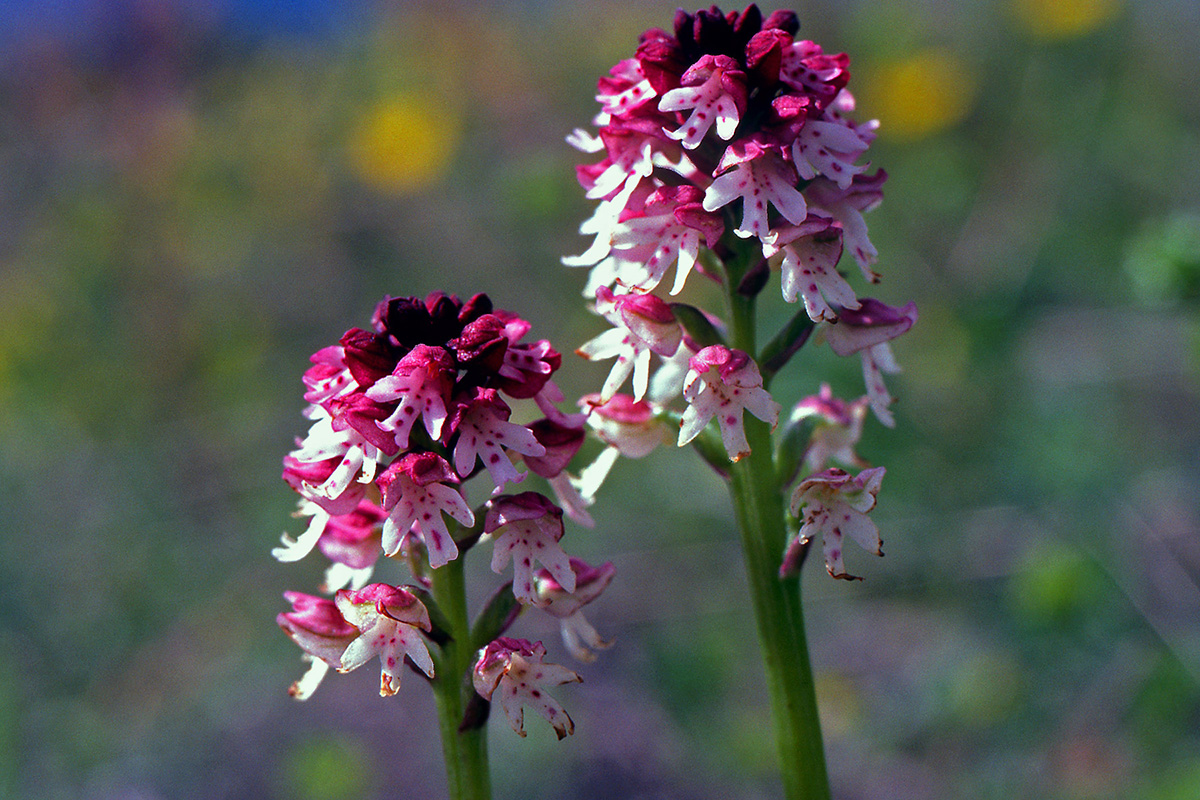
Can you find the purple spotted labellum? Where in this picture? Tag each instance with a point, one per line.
(389, 620)
(722, 384)
(515, 668)
(834, 504)
(867, 330)
(527, 527)
(417, 490)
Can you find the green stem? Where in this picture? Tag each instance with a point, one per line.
(465, 751)
(758, 501)
(758, 504)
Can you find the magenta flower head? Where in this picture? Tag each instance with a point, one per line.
(726, 146)
(403, 417)
(732, 110)
(516, 668)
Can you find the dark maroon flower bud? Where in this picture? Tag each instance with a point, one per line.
(663, 62)
(764, 55)
(443, 318)
(784, 20)
(475, 308)
(404, 319)
(482, 344)
(368, 356)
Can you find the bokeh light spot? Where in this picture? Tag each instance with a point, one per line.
(403, 144)
(919, 95)
(1063, 19)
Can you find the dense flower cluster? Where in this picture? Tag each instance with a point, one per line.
(403, 415)
(728, 147)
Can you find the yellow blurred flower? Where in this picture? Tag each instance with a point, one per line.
(919, 95)
(404, 143)
(1063, 19)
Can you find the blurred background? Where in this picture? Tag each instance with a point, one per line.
(195, 195)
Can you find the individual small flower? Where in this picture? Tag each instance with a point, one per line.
(644, 325)
(527, 366)
(672, 229)
(715, 89)
(811, 252)
(867, 330)
(389, 619)
(481, 345)
(631, 426)
(348, 455)
(756, 175)
(632, 156)
(328, 377)
(517, 669)
(837, 429)
(350, 529)
(809, 69)
(829, 148)
(526, 527)
(316, 625)
(421, 382)
(480, 420)
(415, 490)
(835, 505)
(312, 479)
(628, 427)
(578, 634)
(723, 383)
(624, 88)
(847, 205)
(562, 439)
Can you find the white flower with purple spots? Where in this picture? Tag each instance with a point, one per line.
(420, 384)
(834, 505)
(484, 433)
(644, 325)
(389, 620)
(759, 178)
(714, 88)
(516, 668)
(526, 528)
(811, 252)
(722, 384)
(416, 491)
(867, 330)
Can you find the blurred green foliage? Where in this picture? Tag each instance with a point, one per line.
(188, 211)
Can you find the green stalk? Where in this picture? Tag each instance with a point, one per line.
(465, 751)
(758, 503)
